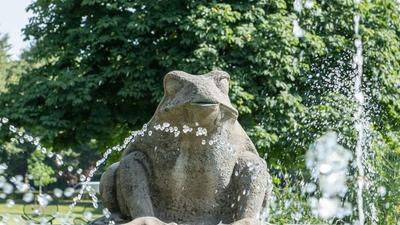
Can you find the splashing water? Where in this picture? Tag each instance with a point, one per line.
(359, 117)
(297, 30)
(44, 199)
(328, 164)
(22, 137)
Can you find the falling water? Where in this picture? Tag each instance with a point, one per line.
(359, 117)
(328, 161)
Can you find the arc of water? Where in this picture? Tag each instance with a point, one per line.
(35, 141)
(22, 136)
(165, 127)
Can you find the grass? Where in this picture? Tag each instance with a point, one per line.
(24, 211)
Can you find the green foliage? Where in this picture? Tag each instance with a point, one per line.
(387, 164)
(10, 70)
(4, 58)
(100, 65)
(42, 174)
(290, 206)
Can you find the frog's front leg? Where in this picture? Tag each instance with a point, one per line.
(250, 188)
(108, 191)
(133, 191)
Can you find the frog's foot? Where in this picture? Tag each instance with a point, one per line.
(247, 221)
(115, 218)
(250, 188)
(148, 221)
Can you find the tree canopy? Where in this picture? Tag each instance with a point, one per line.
(102, 64)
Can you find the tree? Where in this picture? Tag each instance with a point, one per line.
(10, 70)
(102, 63)
(42, 174)
(4, 58)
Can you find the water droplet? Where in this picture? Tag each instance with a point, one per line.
(22, 187)
(13, 129)
(43, 150)
(3, 167)
(4, 120)
(8, 188)
(82, 178)
(382, 191)
(297, 5)
(309, 4)
(68, 192)
(87, 215)
(10, 203)
(106, 213)
(28, 197)
(58, 193)
(44, 199)
(310, 187)
(325, 168)
(297, 30)
(50, 155)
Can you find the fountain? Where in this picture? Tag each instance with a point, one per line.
(194, 164)
(208, 174)
(223, 181)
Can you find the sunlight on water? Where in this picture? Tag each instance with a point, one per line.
(328, 163)
(359, 117)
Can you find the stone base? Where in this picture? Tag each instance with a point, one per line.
(155, 221)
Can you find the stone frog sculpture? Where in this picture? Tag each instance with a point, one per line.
(194, 165)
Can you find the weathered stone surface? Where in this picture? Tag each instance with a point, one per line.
(183, 178)
(154, 221)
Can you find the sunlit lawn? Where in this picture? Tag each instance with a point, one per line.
(22, 211)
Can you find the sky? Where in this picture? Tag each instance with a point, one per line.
(13, 18)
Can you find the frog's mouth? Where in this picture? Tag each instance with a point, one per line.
(203, 103)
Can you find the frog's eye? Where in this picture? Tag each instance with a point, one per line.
(222, 83)
(172, 84)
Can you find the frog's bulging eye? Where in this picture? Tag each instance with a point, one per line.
(223, 84)
(172, 84)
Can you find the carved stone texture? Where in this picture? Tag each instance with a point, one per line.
(191, 177)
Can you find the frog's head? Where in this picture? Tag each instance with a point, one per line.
(196, 99)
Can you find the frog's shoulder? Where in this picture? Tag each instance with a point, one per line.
(147, 140)
(142, 141)
(241, 140)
